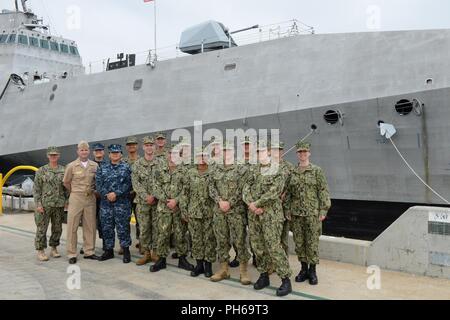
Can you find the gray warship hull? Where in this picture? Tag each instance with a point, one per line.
(287, 84)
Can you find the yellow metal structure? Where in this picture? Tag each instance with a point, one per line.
(9, 174)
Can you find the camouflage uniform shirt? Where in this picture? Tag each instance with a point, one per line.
(308, 192)
(49, 191)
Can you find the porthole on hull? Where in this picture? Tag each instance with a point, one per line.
(138, 84)
(404, 107)
(332, 117)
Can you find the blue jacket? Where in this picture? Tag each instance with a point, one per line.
(114, 178)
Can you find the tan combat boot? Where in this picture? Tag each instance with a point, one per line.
(245, 278)
(41, 255)
(155, 257)
(222, 274)
(271, 269)
(54, 253)
(145, 259)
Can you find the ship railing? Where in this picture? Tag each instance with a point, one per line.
(264, 33)
(7, 176)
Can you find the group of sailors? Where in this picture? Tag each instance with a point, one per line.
(203, 207)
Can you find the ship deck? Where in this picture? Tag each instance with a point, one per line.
(23, 277)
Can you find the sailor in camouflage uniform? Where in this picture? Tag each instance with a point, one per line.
(276, 154)
(309, 202)
(51, 198)
(229, 222)
(132, 145)
(216, 156)
(262, 193)
(200, 216)
(250, 158)
(113, 181)
(142, 171)
(160, 145)
(99, 158)
(169, 189)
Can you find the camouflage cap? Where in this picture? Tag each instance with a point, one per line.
(303, 146)
(160, 135)
(115, 148)
(277, 146)
(227, 146)
(262, 145)
(99, 147)
(148, 140)
(246, 140)
(200, 152)
(132, 140)
(184, 142)
(214, 141)
(53, 151)
(174, 147)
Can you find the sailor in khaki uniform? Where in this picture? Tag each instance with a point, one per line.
(79, 179)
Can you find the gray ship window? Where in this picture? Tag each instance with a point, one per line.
(34, 42)
(74, 50)
(404, 107)
(23, 39)
(331, 117)
(44, 44)
(64, 48)
(54, 46)
(12, 38)
(3, 38)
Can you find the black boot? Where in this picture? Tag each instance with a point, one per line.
(285, 288)
(159, 265)
(108, 254)
(312, 275)
(234, 263)
(254, 260)
(126, 255)
(303, 274)
(208, 269)
(262, 282)
(199, 269)
(184, 264)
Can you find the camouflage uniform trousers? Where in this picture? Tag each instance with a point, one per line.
(116, 216)
(97, 215)
(168, 220)
(228, 228)
(134, 210)
(53, 215)
(285, 236)
(203, 239)
(306, 231)
(265, 239)
(146, 216)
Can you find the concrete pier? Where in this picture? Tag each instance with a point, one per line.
(22, 276)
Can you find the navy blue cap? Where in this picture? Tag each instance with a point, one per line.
(115, 148)
(99, 146)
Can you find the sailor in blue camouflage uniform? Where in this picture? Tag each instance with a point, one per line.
(113, 182)
(99, 158)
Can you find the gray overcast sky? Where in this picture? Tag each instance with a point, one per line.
(111, 26)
